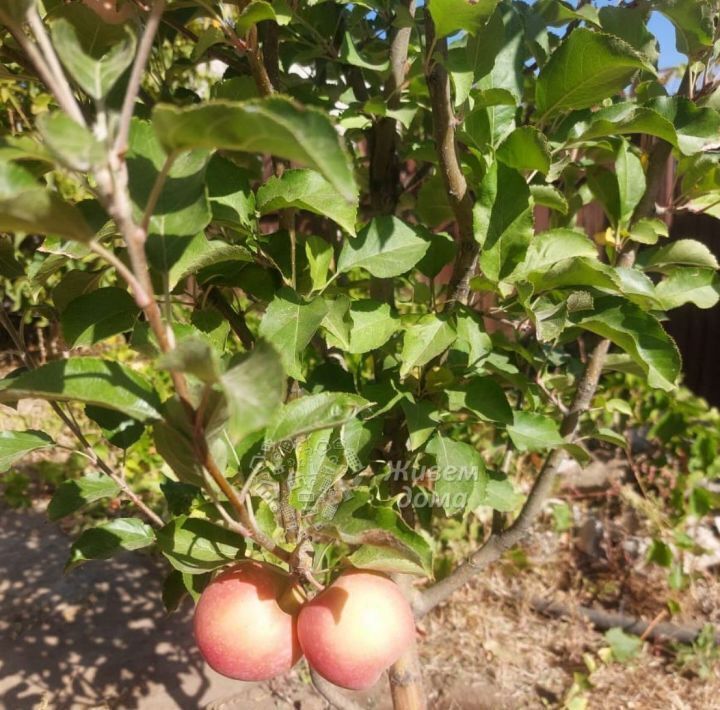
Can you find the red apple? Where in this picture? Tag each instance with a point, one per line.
(355, 629)
(246, 622)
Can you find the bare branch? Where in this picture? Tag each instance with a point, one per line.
(141, 59)
(458, 192)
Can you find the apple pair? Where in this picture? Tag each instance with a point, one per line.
(253, 623)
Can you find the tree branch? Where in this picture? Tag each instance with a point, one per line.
(456, 186)
(333, 695)
(64, 97)
(234, 318)
(141, 59)
(631, 624)
(498, 543)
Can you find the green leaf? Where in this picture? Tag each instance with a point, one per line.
(192, 355)
(386, 247)
(195, 545)
(99, 315)
(611, 437)
(289, 324)
(349, 55)
(359, 521)
(256, 11)
(14, 179)
(320, 462)
(16, 444)
(585, 69)
(358, 440)
(500, 494)
(624, 646)
(503, 221)
(460, 479)
(697, 127)
(451, 16)
(325, 410)
(232, 200)
(307, 190)
(176, 258)
(700, 287)
(525, 149)
(319, 254)
(40, 211)
(94, 52)
(89, 380)
(373, 324)
(531, 431)
(73, 495)
(631, 182)
(640, 335)
(274, 125)
(73, 284)
(104, 541)
(430, 336)
(693, 20)
(118, 428)
(484, 397)
(441, 252)
(556, 245)
(421, 419)
(70, 143)
(630, 24)
(254, 388)
(627, 118)
(683, 252)
(386, 560)
(182, 209)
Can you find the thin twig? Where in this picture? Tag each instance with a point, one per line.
(332, 694)
(141, 298)
(141, 59)
(61, 85)
(65, 101)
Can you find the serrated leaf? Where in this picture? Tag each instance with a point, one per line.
(232, 200)
(274, 125)
(700, 287)
(683, 252)
(386, 247)
(531, 431)
(75, 494)
(421, 419)
(585, 69)
(104, 541)
(316, 411)
(525, 148)
(319, 254)
(40, 211)
(182, 208)
(549, 248)
(89, 380)
(372, 325)
(16, 444)
(460, 477)
(360, 522)
(320, 462)
(72, 144)
(254, 388)
(94, 52)
(425, 339)
(500, 494)
(640, 335)
(484, 397)
(289, 324)
(99, 315)
(503, 221)
(196, 545)
(451, 16)
(307, 190)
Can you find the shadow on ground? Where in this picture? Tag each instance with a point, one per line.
(98, 637)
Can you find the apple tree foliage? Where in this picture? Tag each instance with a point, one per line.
(315, 224)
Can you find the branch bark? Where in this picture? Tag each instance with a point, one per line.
(498, 543)
(456, 186)
(631, 624)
